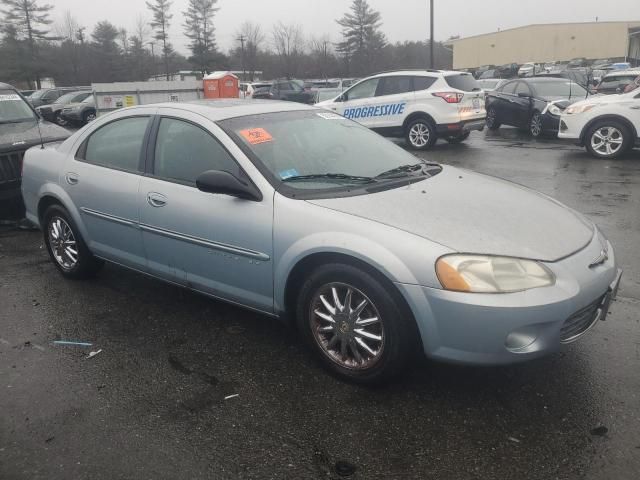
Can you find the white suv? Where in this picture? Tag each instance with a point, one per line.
(607, 126)
(421, 105)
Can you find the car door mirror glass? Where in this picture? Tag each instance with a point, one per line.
(224, 183)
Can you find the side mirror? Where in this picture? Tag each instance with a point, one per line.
(224, 183)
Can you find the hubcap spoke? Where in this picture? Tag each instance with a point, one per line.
(63, 243)
(349, 332)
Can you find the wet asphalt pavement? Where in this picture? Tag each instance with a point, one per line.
(152, 404)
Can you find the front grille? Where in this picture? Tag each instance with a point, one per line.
(11, 166)
(580, 321)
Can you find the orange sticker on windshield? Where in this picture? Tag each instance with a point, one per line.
(256, 135)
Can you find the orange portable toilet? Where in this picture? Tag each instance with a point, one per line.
(221, 85)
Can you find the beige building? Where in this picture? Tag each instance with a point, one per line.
(550, 42)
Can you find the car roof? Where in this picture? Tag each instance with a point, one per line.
(224, 109)
(419, 73)
(625, 73)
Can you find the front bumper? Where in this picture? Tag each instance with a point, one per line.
(493, 329)
(571, 128)
(550, 124)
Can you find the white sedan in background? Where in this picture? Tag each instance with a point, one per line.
(607, 126)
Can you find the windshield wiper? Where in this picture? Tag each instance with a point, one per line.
(407, 170)
(330, 176)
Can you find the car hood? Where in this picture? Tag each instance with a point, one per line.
(608, 99)
(26, 134)
(475, 213)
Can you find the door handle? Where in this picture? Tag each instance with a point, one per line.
(635, 107)
(72, 178)
(156, 199)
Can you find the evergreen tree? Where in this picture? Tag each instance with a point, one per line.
(363, 39)
(160, 23)
(198, 27)
(107, 55)
(29, 21)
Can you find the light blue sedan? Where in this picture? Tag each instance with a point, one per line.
(298, 213)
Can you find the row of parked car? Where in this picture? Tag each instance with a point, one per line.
(308, 91)
(63, 105)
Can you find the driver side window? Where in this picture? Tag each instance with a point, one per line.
(510, 88)
(366, 89)
(522, 88)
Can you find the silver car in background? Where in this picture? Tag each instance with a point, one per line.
(299, 213)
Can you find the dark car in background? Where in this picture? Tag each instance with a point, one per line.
(50, 95)
(52, 112)
(533, 103)
(577, 75)
(20, 129)
(290, 90)
(80, 113)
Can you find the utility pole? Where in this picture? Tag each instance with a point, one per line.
(153, 59)
(80, 35)
(431, 64)
(242, 39)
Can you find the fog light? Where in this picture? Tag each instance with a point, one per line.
(519, 340)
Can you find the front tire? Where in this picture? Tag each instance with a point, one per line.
(66, 247)
(88, 117)
(353, 324)
(61, 121)
(421, 134)
(536, 125)
(608, 139)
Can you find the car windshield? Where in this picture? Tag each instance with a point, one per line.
(560, 88)
(319, 150)
(464, 82)
(13, 109)
(38, 93)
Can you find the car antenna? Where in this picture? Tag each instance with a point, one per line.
(40, 134)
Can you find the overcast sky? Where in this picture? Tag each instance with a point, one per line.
(402, 19)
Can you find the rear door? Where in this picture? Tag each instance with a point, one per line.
(502, 100)
(103, 180)
(522, 105)
(392, 97)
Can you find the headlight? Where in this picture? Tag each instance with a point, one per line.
(554, 110)
(488, 274)
(572, 110)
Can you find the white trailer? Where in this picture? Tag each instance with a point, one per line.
(112, 96)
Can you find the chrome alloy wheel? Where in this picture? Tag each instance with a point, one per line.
(347, 326)
(91, 117)
(536, 125)
(607, 140)
(63, 243)
(419, 135)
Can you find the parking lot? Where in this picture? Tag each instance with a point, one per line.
(187, 387)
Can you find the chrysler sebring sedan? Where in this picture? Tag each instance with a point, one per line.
(301, 214)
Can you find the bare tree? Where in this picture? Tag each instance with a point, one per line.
(253, 38)
(288, 43)
(124, 40)
(322, 53)
(67, 27)
(141, 28)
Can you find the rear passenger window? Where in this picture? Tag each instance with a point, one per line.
(185, 151)
(509, 88)
(394, 86)
(522, 88)
(422, 83)
(117, 144)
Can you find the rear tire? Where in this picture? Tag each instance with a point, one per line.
(456, 139)
(88, 117)
(367, 345)
(492, 119)
(608, 139)
(60, 121)
(66, 247)
(421, 134)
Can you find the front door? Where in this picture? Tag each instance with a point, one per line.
(522, 105)
(217, 244)
(357, 102)
(103, 181)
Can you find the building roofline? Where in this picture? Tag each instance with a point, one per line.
(636, 23)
